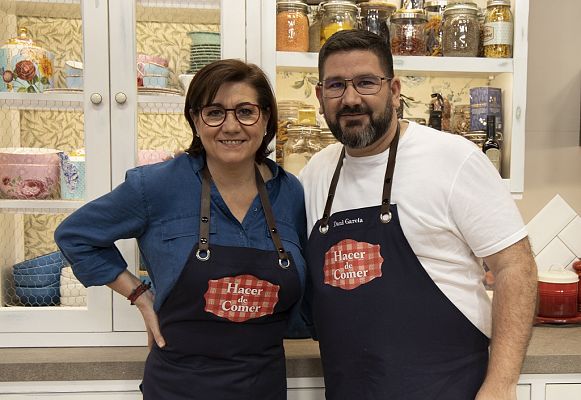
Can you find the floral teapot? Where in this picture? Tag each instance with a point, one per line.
(25, 67)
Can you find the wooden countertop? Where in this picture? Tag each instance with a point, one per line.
(553, 350)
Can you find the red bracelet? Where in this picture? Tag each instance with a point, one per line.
(138, 291)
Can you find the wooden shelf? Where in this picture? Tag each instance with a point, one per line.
(16, 206)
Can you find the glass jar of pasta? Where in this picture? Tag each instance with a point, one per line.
(407, 33)
(292, 26)
(288, 115)
(338, 15)
(498, 29)
(434, 12)
(461, 30)
(302, 142)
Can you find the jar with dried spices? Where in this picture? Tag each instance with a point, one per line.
(498, 29)
(292, 26)
(407, 33)
(461, 31)
(338, 15)
(434, 12)
(374, 17)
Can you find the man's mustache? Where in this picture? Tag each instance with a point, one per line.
(352, 110)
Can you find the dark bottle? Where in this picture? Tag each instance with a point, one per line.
(436, 111)
(491, 147)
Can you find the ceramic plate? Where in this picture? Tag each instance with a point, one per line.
(63, 90)
(156, 91)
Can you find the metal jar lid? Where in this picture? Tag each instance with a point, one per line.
(292, 5)
(377, 5)
(418, 14)
(432, 4)
(339, 6)
(491, 3)
(467, 8)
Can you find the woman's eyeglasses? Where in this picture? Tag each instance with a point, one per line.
(365, 85)
(215, 115)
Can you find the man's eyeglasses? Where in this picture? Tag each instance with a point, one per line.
(215, 115)
(365, 85)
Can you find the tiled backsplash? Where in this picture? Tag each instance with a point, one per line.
(555, 235)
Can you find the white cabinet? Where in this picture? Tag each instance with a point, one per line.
(508, 74)
(111, 119)
(563, 391)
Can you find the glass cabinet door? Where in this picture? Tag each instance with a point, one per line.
(156, 48)
(54, 141)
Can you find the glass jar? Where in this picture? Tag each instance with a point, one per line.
(326, 138)
(434, 12)
(292, 26)
(461, 119)
(461, 32)
(374, 17)
(338, 15)
(498, 28)
(315, 29)
(302, 142)
(412, 4)
(288, 115)
(307, 115)
(407, 33)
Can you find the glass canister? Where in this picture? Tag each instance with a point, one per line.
(315, 28)
(461, 30)
(434, 12)
(302, 142)
(461, 119)
(407, 33)
(288, 115)
(374, 17)
(326, 138)
(338, 15)
(498, 29)
(292, 26)
(412, 4)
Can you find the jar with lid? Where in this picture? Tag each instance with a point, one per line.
(315, 28)
(338, 15)
(498, 29)
(292, 26)
(412, 4)
(288, 115)
(407, 33)
(461, 119)
(307, 115)
(327, 138)
(374, 17)
(302, 142)
(461, 31)
(434, 12)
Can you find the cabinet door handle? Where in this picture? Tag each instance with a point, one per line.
(96, 98)
(120, 97)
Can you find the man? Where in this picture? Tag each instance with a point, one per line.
(395, 244)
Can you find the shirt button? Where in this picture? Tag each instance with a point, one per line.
(255, 209)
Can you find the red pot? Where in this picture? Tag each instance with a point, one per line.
(577, 268)
(558, 292)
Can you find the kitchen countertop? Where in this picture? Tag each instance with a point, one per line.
(553, 350)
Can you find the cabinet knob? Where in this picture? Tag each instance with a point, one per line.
(120, 97)
(96, 98)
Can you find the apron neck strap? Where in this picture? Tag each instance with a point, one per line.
(203, 252)
(385, 214)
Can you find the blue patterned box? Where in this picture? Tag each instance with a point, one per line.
(484, 101)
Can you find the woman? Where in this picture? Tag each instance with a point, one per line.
(223, 248)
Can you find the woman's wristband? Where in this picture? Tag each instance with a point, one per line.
(138, 291)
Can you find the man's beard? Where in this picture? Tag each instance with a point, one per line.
(358, 135)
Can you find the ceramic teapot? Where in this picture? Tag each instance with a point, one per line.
(25, 67)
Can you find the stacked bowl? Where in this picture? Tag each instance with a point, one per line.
(204, 50)
(72, 292)
(37, 281)
(152, 71)
(74, 74)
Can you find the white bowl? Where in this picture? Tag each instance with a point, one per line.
(185, 80)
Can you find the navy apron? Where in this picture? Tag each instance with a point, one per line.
(385, 329)
(225, 319)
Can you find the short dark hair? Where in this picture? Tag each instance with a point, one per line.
(357, 40)
(207, 82)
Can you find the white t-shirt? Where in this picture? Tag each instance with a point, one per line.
(453, 207)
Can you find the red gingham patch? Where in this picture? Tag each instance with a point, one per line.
(240, 298)
(350, 264)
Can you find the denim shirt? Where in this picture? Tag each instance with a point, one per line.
(159, 205)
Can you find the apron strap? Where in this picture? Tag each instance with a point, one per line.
(283, 258)
(203, 252)
(385, 214)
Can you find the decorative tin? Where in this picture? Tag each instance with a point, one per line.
(25, 67)
(485, 101)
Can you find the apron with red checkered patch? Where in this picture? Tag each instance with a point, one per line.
(224, 321)
(385, 329)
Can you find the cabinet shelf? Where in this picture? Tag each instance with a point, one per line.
(39, 206)
(420, 66)
(42, 101)
(168, 104)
